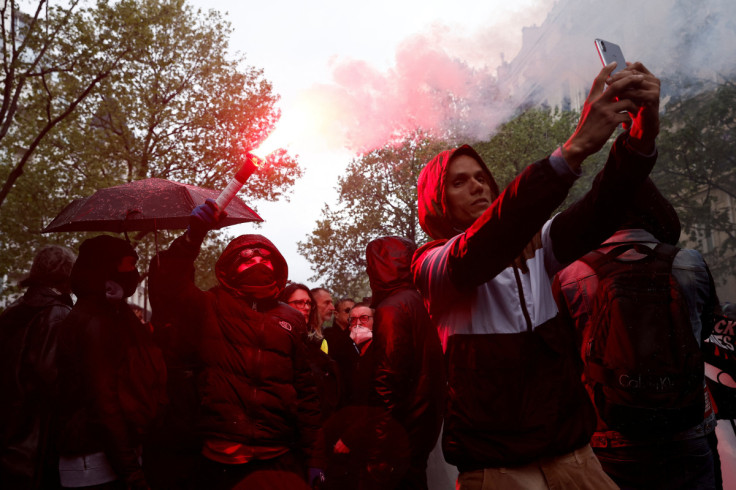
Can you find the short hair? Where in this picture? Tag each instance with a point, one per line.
(320, 290)
(51, 267)
(364, 304)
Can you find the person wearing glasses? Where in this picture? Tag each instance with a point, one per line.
(360, 323)
(325, 369)
(300, 298)
(341, 347)
(356, 457)
(342, 312)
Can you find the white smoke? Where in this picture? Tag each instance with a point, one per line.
(448, 79)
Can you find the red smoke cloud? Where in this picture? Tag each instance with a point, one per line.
(427, 88)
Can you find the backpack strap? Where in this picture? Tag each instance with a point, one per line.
(600, 261)
(596, 259)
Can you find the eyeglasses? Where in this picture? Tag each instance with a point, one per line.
(301, 303)
(362, 318)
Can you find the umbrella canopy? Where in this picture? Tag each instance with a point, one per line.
(143, 205)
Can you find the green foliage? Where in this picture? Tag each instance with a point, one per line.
(378, 194)
(532, 135)
(377, 197)
(695, 172)
(171, 104)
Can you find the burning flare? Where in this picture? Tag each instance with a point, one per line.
(252, 162)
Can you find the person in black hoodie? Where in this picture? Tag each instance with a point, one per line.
(28, 372)
(409, 378)
(111, 381)
(259, 409)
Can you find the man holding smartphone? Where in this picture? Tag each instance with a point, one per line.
(518, 415)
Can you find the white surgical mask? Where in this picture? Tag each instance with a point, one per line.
(360, 334)
(113, 291)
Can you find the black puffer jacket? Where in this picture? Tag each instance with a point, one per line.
(256, 387)
(410, 378)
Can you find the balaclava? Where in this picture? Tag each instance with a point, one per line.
(258, 281)
(98, 262)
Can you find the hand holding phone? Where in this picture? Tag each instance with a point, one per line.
(610, 52)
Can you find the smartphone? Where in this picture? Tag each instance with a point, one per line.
(610, 52)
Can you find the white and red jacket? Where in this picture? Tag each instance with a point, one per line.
(515, 394)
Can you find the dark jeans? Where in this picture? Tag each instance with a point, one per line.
(672, 465)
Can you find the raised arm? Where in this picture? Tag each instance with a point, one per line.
(596, 216)
(171, 272)
(512, 220)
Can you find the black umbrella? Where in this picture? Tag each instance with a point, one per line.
(143, 205)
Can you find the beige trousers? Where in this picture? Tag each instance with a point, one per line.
(579, 469)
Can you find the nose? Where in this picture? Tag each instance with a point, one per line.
(476, 186)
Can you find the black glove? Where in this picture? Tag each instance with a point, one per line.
(204, 218)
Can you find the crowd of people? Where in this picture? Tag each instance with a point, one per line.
(517, 335)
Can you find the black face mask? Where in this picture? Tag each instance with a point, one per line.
(127, 280)
(257, 281)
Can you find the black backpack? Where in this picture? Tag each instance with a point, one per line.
(642, 360)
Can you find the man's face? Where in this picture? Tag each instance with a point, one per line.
(342, 312)
(467, 190)
(325, 307)
(252, 256)
(361, 315)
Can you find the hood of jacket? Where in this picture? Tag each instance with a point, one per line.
(97, 262)
(388, 264)
(229, 259)
(651, 211)
(434, 215)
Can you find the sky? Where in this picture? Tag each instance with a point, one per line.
(301, 47)
(348, 73)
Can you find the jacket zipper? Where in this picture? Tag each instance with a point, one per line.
(521, 298)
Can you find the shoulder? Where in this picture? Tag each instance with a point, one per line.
(400, 301)
(689, 259)
(88, 314)
(424, 252)
(574, 272)
(429, 266)
(288, 318)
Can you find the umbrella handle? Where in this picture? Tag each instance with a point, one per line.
(238, 180)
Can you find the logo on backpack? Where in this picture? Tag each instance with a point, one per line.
(642, 360)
